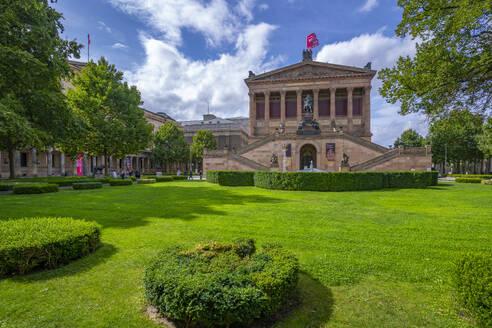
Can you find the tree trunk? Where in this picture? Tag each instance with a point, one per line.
(12, 162)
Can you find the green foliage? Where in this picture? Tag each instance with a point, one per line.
(487, 182)
(482, 176)
(30, 243)
(452, 65)
(180, 177)
(219, 284)
(458, 133)
(146, 181)
(163, 179)
(33, 60)
(87, 185)
(485, 139)
(35, 188)
(473, 283)
(343, 181)
(232, 178)
(6, 186)
(468, 180)
(410, 138)
(170, 145)
(118, 182)
(109, 109)
(212, 176)
(203, 139)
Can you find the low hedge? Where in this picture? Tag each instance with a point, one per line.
(146, 181)
(468, 180)
(87, 185)
(6, 186)
(35, 188)
(30, 243)
(60, 181)
(472, 279)
(120, 182)
(219, 284)
(163, 179)
(481, 176)
(343, 181)
(487, 182)
(180, 177)
(235, 178)
(212, 176)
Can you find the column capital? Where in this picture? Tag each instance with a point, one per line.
(251, 94)
(299, 91)
(316, 90)
(266, 93)
(369, 87)
(283, 92)
(350, 89)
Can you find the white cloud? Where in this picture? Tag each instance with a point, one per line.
(263, 6)
(215, 20)
(181, 87)
(103, 27)
(368, 6)
(383, 52)
(119, 45)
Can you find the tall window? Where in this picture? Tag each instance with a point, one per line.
(275, 106)
(23, 159)
(260, 110)
(357, 102)
(341, 102)
(324, 103)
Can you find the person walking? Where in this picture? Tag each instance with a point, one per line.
(190, 177)
(201, 174)
(115, 176)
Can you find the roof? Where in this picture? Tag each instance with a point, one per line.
(76, 66)
(308, 70)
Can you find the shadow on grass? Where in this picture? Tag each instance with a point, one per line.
(131, 206)
(101, 255)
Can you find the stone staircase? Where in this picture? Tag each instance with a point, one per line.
(256, 144)
(243, 160)
(375, 161)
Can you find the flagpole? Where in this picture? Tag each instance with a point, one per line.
(88, 47)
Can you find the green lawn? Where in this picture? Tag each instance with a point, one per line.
(369, 259)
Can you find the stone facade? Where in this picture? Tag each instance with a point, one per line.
(313, 114)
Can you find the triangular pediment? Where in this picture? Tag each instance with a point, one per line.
(307, 70)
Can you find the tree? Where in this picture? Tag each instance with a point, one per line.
(485, 139)
(33, 60)
(203, 139)
(456, 136)
(452, 68)
(410, 138)
(170, 145)
(114, 123)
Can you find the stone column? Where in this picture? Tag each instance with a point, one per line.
(282, 106)
(299, 105)
(17, 163)
(252, 114)
(267, 112)
(350, 107)
(62, 164)
(333, 92)
(49, 162)
(137, 163)
(34, 163)
(366, 110)
(315, 104)
(94, 164)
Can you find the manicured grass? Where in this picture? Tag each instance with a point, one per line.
(369, 259)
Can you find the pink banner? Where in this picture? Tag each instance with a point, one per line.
(80, 165)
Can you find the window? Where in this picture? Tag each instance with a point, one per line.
(260, 111)
(324, 107)
(357, 106)
(53, 160)
(23, 159)
(291, 108)
(341, 102)
(275, 109)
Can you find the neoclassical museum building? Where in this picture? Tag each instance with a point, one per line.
(313, 116)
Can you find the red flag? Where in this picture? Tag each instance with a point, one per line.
(312, 41)
(88, 39)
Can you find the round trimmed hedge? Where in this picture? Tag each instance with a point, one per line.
(468, 180)
(163, 179)
(30, 243)
(35, 188)
(146, 181)
(219, 284)
(119, 182)
(87, 185)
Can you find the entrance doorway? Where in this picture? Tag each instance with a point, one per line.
(307, 155)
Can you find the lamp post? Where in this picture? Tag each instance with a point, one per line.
(445, 156)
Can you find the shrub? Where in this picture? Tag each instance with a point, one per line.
(35, 188)
(482, 176)
(219, 284)
(163, 179)
(148, 174)
(468, 180)
(180, 177)
(120, 183)
(104, 180)
(473, 282)
(235, 178)
(132, 178)
(342, 181)
(6, 186)
(487, 182)
(146, 181)
(87, 185)
(211, 176)
(30, 243)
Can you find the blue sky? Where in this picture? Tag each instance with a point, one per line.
(183, 54)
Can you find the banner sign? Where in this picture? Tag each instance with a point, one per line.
(330, 151)
(80, 164)
(128, 164)
(312, 41)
